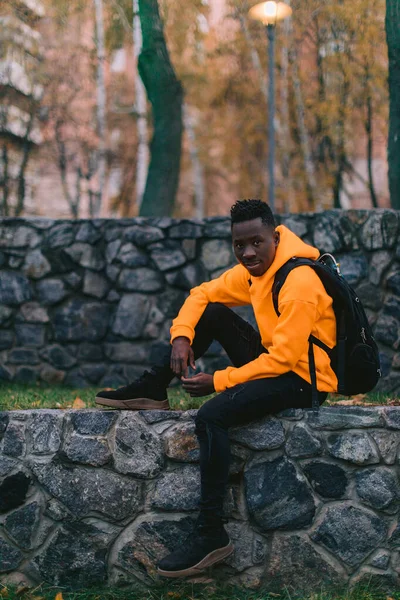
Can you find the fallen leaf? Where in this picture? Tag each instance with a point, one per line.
(4, 593)
(78, 403)
(59, 596)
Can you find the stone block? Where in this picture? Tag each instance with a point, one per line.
(344, 417)
(50, 291)
(36, 265)
(167, 255)
(81, 321)
(51, 375)
(84, 490)
(11, 557)
(22, 356)
(6, 339)
(380, 262)
(356, 448)
(249, 548)
(277, 495)
(381, 559)
(370, 295)
(112, 250)
(132, 257)
(89, 352)
(33, 312)
(30, 335)
(188, 277)
(58, 356)
(392, 417)
(4, 420)
(388, 443)
(44, 430)
(26, 375)
(7, 465)
(14, 444)
(86, 256)
(95, 284)
(157, 416)
(88, 234)
(265, 434)
(127, 352)
(380, 230)
(143, 235)
(137, 449)
(22, 525)
(92, 421)
(177, 490)
(216, 254)
(94, 372)
(14, 288)
(186, 229)
(60, 235)
(181, 442)
(87, 450)
(350, 533)
(327, 479)
(131, 315)
(354, 267)
(217, 227)
(378, 488)
(301, 443)
(13, 491)
(140, 280)
(5, 313)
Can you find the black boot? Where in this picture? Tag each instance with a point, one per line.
(207, 546)
(148, 392)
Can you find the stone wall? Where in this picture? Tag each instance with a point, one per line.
(90, 302)
(96, 497)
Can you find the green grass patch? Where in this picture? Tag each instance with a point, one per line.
(14, 396)
(187, 591)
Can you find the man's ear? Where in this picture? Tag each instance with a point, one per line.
(277, 237)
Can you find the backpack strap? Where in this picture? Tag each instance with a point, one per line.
(313, 376)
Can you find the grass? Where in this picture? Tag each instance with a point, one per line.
(187, 591)
(14, 396)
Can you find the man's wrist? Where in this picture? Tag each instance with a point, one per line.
(181, 338)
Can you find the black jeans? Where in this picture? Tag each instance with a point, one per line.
(238, 405)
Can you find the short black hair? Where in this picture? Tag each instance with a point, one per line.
(246, 210)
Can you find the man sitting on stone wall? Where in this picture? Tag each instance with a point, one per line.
(270, 369)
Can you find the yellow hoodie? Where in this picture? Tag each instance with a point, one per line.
(305, 309)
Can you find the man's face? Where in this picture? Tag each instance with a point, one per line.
(254, 245)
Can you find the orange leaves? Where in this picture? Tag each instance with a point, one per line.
(78, 403)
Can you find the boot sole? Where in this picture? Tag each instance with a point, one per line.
(208, 561)
(134, 404)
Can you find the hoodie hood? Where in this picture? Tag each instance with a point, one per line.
(290, 245)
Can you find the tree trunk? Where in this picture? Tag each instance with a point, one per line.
(368, 129)
(197, 167)
(101, 106)
(288, 196)
(165, 94)
(392, 24)
(5, 182)
(142, 158)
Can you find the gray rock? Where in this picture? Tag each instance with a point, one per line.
(381, 560)
(4, 420)
(22, 525)
(393, 283)
(51, 375)
(148, 540)
(157, 416)
(188, 277)
(387, 330)
(88, 234)
(94, 372)
(95, 284)
(143, 235)
(113, 296)
(356, 448)
(75, 558)
(18, 236)
(392, 417)
(60, 235)
(22, 356)
(132, 257)
(137, 450)
(378, 488)
(170, 302)
(127, 352)
(140, 280)
(32, 312)
(328, 480)
(328, 237)
(380, 261)
(186, 229)
(15, 262)
(167, 255)
(387, 443)
(190, 248)
(131, 315)
(349, 533)
(6, 339)
(86, 450)
(380, 230)
(30, 334)
(86, 256)
(44, 431)
(14, 288)
(58, 356)
(296, 565)
(354, 267)
(5, 374)
(249, 547)
(344, 417)
(26, 375)
(302, 444)
(370, 295)
(112, 250)
(265, 434)
(83, 490)
(295, 224)
(88, 351)
(13, 491)
(277, 496)
(11, 558)
(92, 422)
(56, 511)
(14, 440)
(217, 227)
(6, 465)
(50, 291)
(5, 313)
(36, 265)
(73, 280)
(181, 442)
(112, 231)
(76, 379)
(81, 321)
(177, 490)
(216, 254)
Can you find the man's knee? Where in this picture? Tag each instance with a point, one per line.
(213, 312)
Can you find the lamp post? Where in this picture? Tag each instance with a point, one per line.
(269, 13)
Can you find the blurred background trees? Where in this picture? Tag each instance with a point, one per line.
(206, 94)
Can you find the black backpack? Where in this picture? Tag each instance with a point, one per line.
(355, 358)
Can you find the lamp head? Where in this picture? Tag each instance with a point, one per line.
(270, 12)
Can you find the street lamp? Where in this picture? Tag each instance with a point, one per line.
(269, 13)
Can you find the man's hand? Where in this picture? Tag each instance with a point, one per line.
(182, 356)
(198, 385)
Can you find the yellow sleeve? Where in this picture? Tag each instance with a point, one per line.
(231, 289)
